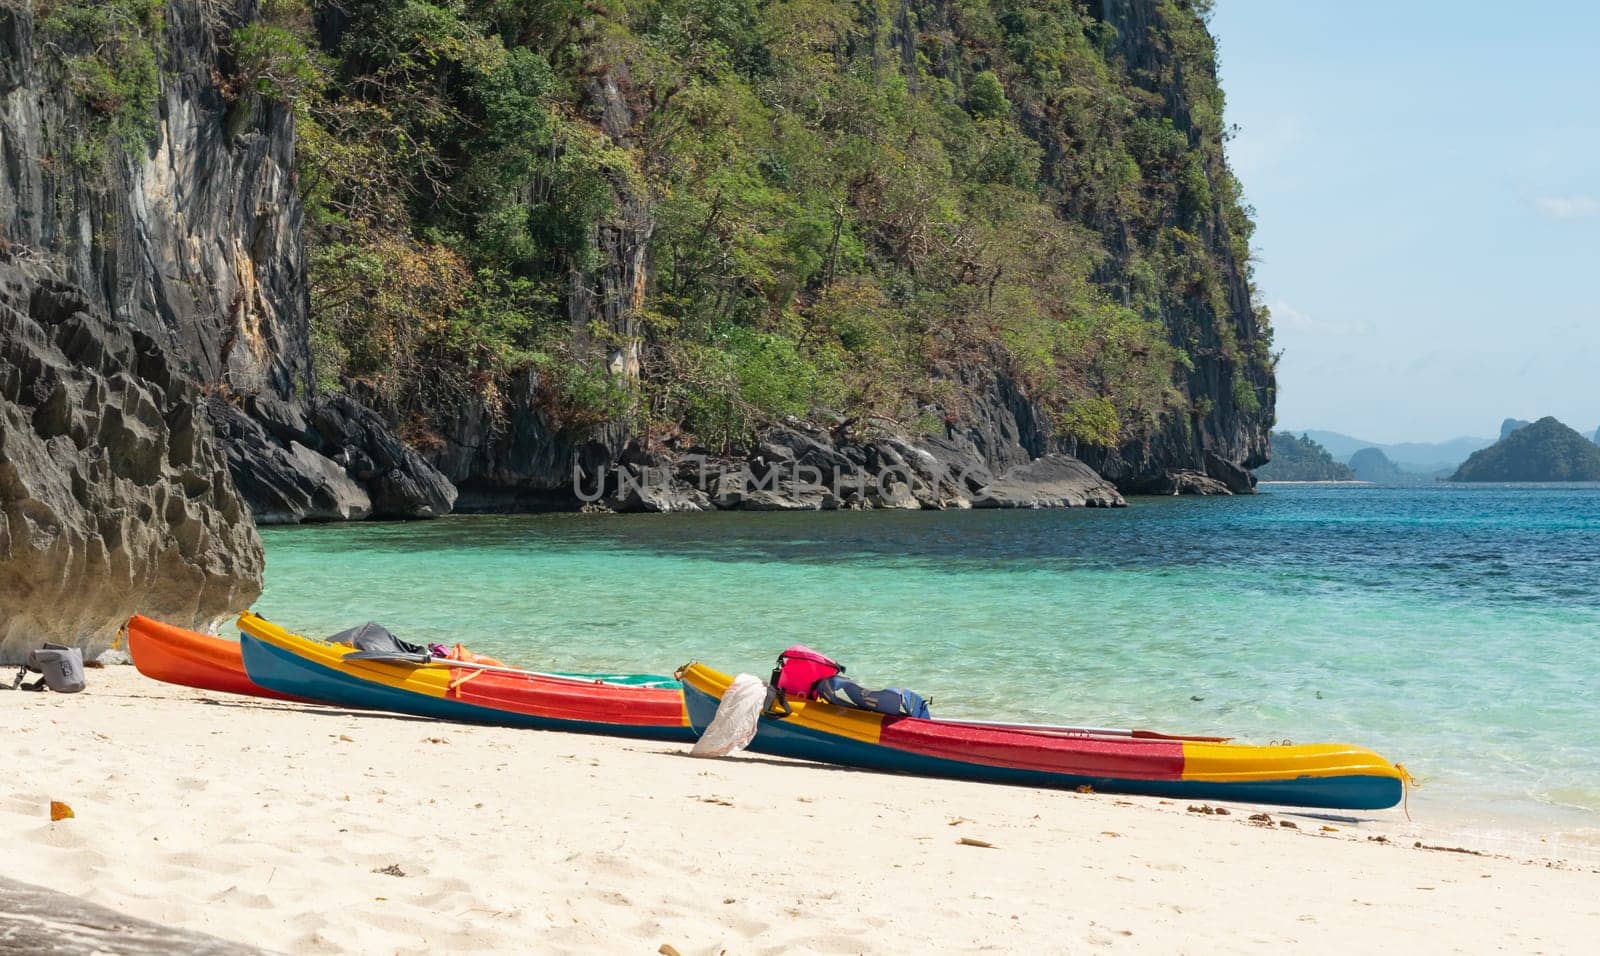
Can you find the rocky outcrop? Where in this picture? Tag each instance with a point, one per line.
(193, 237)
(1512, 424)
(798, 467)
(114, 498)
(524, 460)
(516, 457)
(1054, 481)
(332, 460)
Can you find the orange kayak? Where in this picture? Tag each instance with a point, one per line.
(176, 656)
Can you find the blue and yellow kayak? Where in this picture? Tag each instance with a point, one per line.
(625, 706)
(1331, 776)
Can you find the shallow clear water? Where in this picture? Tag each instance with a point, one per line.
(1456, 629)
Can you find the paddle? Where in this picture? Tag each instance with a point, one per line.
(1081, 731)
(415, 661)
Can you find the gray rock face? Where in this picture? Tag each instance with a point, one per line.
(1054, 481)
(1512, 424)
(114, 498)
(1230, 395)
(331, 461)
(284, 481)
(797, 467)
(193, 238)
(1194, 483)
(400, 483)
(519, 461)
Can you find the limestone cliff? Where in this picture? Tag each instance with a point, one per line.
(146, 162)
(1172, 247)
(189, 229)
(166, 192)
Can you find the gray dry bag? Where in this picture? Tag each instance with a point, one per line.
(61, 666)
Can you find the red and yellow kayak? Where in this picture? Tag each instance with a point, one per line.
(625, 706)
(177, 656)
(1336, 776)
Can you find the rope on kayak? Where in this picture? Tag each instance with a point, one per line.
(456, 682)
(1407, 781)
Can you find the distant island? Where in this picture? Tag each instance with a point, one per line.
(1371, 464)
(1546, 450)
(1301, 459)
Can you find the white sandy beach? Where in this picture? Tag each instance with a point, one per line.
(272, 824)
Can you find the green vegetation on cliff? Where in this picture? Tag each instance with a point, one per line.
(1544, 451)
(108, 56)
(1301, 459)
(702, 214)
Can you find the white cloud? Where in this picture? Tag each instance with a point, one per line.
(1568, 207)
(1286, 317)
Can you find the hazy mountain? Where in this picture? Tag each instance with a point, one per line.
(1418, 457)
(1544, 451)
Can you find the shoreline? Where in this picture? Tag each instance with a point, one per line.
(290, 826)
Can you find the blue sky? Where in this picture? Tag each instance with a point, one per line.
(1426, 178)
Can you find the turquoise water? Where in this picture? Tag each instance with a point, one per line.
(1456, 629)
